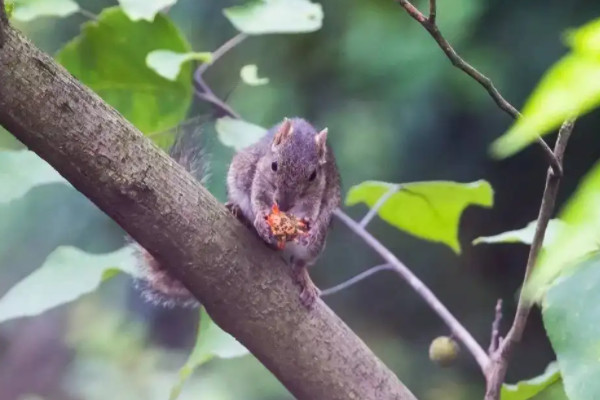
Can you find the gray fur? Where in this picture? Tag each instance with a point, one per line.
(253, 187)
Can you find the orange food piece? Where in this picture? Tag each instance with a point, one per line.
(285, 227)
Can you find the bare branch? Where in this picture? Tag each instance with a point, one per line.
(203, 91)
(221, 51)
(217, 103)
(483, 80)
(494, 341)
(422, 290)
(88, 14)
(373, 211)
(499, 360)
(356, 279)
(432, 12)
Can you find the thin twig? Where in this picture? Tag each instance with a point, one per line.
(221, 51)
(203, 91)
(88, 14)
(218, 103)
(499, 361)
(356, 279)
(483, 80)
(418, 286)
(373, 211)
(494, 341)
(432, 12)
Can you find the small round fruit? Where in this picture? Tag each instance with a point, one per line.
(443, 351)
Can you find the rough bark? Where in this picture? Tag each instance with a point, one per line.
(245, 287)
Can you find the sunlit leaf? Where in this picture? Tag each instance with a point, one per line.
(586, 39)
(211, 342)
(579, 238)
(9, 8)
(249, 74)
(570, 87)
(428, 210)
(21, 170)
(168, 63)
(571, 316)
(27, 10)
(525, 390)
(144, 9)
(237, 133)
(276, 16)
(114, 66)
(524, 235)
(67, 274)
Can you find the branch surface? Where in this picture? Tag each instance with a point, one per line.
(245, 288)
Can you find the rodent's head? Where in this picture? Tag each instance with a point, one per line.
(295, 162)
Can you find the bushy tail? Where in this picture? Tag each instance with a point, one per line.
(189, 150)
(156, 285)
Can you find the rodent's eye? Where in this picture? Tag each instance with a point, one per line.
(274, 165)
(312, 176)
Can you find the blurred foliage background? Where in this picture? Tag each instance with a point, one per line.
(397, 111)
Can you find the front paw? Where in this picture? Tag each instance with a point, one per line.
(263, 230)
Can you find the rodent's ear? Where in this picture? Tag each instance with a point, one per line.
(283, 133)
(321, 139)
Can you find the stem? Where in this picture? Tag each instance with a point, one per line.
(354, 280)
(499, 364)
(495, 339)
(373, 211)
(422, 290)
(460, 63)
(203, 91)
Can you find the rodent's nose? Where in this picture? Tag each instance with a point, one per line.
(283, 203)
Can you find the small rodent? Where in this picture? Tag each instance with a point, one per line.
(293, 167)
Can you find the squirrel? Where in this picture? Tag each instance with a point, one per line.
(292, 167)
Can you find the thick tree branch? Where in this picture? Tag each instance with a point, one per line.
(243, 285)
(456, 60)
(499, 364)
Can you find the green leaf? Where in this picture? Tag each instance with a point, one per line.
(168, 63)
(260, 17)
(579, 238)
(9, 7)
(428, 210)
(237, 133)
(67, 274)
(211, 342)
(524, 235)
(22, 170)
(570, 87)
(525, 390)
(586, 39)
(571, 316)
(144, 9)
(114, 66)
(249, 74)
(27, 10)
